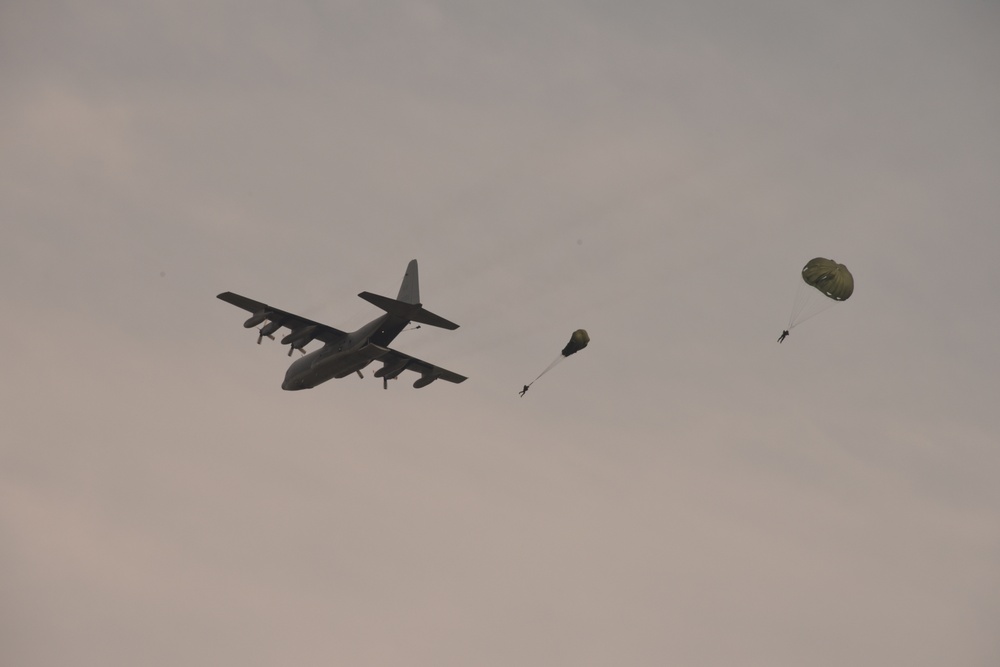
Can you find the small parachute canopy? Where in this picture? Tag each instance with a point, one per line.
(577, 342)
(829, 277)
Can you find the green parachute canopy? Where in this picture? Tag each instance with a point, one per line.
(825, 283)
(829, 277)
(577, 342)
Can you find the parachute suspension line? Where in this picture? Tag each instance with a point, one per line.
(550, 367)
(798, 303)
(809, 302)
(826, 304)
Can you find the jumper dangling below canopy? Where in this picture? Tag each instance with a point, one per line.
(577, 342)
(824, 284)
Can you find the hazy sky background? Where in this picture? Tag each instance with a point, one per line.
(683, 492)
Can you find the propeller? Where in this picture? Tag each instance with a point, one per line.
(261, 334)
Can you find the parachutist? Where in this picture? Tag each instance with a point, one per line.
(784, 334)
(577, 342)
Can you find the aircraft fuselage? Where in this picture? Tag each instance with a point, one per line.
(345, 353)
(344, 356)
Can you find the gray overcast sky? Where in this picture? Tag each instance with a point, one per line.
(683, 492)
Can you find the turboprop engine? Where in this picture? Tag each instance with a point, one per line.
(299, 338)
(424, 380)
(268, 329)
(257, 319)
(388, 372)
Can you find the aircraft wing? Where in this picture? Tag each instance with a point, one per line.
(281, 318)
(395, 362)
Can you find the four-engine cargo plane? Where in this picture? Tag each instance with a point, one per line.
(345, 353)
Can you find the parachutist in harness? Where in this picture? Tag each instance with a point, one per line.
(784, 334)
(577, 342)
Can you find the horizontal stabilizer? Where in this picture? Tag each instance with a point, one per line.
(412, 312)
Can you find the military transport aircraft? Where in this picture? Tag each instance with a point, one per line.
(345, 353)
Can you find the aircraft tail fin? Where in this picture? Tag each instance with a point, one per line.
(412, 312)
(409, 290)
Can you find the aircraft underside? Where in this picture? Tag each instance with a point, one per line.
(316, 368)
(344, 353)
